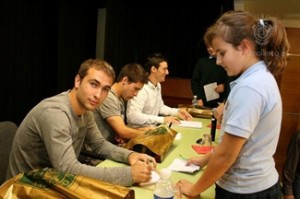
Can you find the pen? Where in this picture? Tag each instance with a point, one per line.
(183, 157)
(149, 162)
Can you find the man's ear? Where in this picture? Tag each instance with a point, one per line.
(77, 81)
(153, 68)
(124, 80)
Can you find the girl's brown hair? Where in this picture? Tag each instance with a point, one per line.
(267, 34)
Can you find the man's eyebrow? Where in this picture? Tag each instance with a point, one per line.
(109, 87)
(99, 83)
(95, 80)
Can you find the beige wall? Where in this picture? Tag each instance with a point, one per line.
(286, 10)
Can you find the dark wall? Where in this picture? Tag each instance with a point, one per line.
(42, 45)
(44, 42)
(135, 30)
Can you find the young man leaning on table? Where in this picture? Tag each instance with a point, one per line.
(54, 131)
(148, 108)
(110, 115)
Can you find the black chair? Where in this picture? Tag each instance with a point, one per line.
(7, 133)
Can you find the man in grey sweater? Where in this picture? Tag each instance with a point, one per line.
(54, 131)
(110, 116)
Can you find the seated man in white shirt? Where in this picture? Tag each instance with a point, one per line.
(110, 115)
(148, 108)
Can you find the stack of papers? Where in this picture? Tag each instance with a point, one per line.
(192, 124)
(181, 165)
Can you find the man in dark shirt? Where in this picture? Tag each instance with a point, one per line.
(207, 71)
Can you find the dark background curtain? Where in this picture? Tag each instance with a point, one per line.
(135, 30)
(44, 42)
(42, 45)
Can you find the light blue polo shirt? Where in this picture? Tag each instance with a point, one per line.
(253, 111)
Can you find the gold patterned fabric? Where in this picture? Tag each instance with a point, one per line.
(197, 111)
(51, 184)
(155, 143)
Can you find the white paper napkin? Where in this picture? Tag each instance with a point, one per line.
(180, 165)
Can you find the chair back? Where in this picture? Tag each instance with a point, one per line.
(7, 133)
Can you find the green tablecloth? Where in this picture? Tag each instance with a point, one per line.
(181, 147)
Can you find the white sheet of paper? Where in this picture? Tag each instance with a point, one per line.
(192, 124)
(178, 136)
(210, 92)
(180, 165)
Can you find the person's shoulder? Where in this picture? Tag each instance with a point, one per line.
(59, 102)
(146, 88)
(110, 104)
(111, 97)
(204, 60)
(61, 99)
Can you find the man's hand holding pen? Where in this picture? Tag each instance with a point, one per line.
(141, 167)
